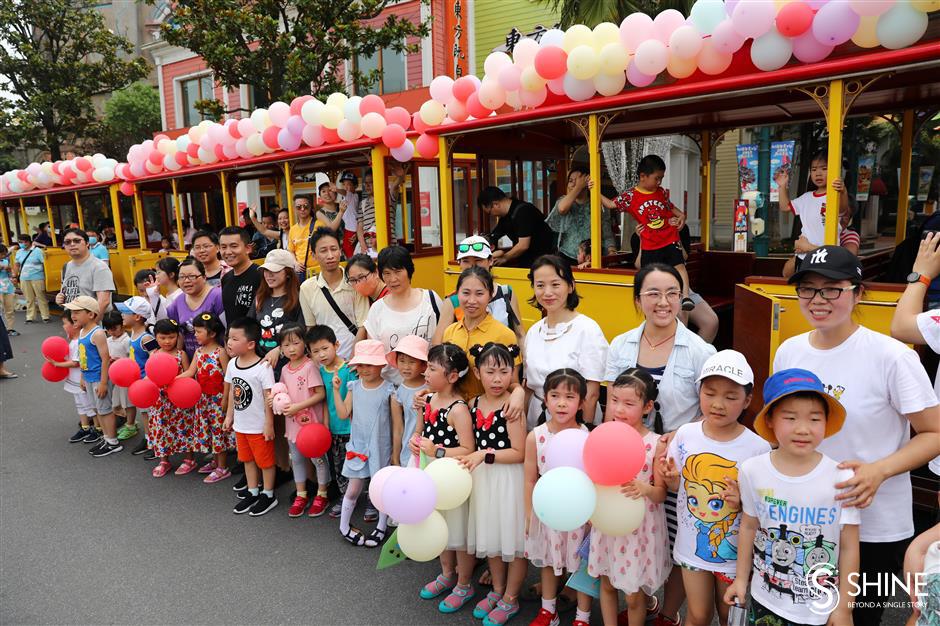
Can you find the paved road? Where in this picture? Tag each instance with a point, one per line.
(86, 540)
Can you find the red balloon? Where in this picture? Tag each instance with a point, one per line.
(233, 128)
(156, 157)
(313, 440)
(269, 136)
(476, 109)
(54, 374)
(551, 62)
(330, 135)
(83, 164)
(193, 150)
(184, 392)
(613, 454)
(393, 136)
(55, 348)
(794, 19)
(143, 394)
(428, 146)
(124, 372)
(398, 115)
(418, 124)
(463, 87)
(161, 368)
(128, 188)
(181, 157)
(372, 104)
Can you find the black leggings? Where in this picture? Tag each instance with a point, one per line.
(877, 558)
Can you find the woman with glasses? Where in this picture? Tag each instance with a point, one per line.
(206, 251)
(363, 274)
(198, 297)
(885, 392)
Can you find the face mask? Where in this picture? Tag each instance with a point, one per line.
(367, 287)
(92, 241)
(22, 246)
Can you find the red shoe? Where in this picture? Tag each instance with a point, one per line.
(318, 507)
(544, 618)
(578, 622)
(661, 620)
(298, 507)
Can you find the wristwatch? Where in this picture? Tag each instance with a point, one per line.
(440, 453)
(490, 457)
(914, 277)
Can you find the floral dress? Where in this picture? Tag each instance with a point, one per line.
(170, 430)
(209, 415)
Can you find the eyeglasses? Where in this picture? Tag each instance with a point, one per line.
(72, 242)
(355, 280)
(654, 294)
(301, 206)
(183, 278)
(478, 246)
(827, 293)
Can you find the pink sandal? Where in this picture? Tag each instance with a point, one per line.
(208, 468)
(219, 473)
(185, 467)
(161, 470)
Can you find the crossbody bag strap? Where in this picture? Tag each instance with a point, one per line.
(352, 328)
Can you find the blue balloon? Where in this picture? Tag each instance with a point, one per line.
(564, 498)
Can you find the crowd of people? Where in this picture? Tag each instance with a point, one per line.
(396, 372)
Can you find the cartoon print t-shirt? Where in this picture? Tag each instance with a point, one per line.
(796, 548)
(652, 209)
(707, 538)
(272, 316)
(248, 392)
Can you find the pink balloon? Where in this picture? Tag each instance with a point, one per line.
(638, 78)
(463, 87)
(155, 157)
(313, 136)
(807, 48)
(441, 89)
(726, 39)
(551, 62)
(566, 449)
(372, 104)
(794, 19)
(557, 86)
(635, 29)
(270, 136)
(666, 23)
(418, 124)
(393, 136)
(457, 110)
(377, 484)
(533, 98)
(295, 125)
(398, 115)
(835, 23)
(245, 127)
(127, 189)
(427, 146)
(287, 140)
(219, 151)
(279, 113)
(651, 57)
(476, 109)
(241, 149)
(753, 18)
(509, 77)
(712, 61)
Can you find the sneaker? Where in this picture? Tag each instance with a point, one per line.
(241, 494)
(94, 447)
(208, 468)
(150, 455)
(318, 507)
(336, 510)
(687, 304)
(78, 436)
(240, 484)
(93, 435)
(106, 449)
(219, 473)
(371, 515)
(501, 614)
(141, 448)
(262, 505)
(544, 618)
(13, 333)
(246, 503)
(298, 507)
(127, 431)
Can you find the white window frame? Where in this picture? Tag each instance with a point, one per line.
(178, 93)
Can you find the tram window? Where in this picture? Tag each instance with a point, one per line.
(533, 179)
(499, 174)
(462, 213)
(94, 214)
(155, 222)
(429, 207)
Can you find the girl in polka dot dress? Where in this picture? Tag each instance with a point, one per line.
(551, 550)
(447, 430)
(638, 563)
(496, 526)
(171, 429)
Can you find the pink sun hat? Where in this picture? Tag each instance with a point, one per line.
(414, 346)
(368, 352)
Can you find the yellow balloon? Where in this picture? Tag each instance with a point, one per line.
(337, 100)
(616, 514)
(926, 6)
(779, 4)
(425, 540)
(577, 35)
(331, 116)
(583, 63)
(605, 33)
(452, 480)
(530, 79)
(866, 35)
(432, 113)
(613, 58)
(681, 68)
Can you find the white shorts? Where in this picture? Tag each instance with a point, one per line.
(118, 396)
(81, 405)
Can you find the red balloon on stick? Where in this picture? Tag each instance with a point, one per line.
(184, 392)
(313, 440)
(143, 393)
(613, 454)
(54, 374)
(161, 369)
(124, 372)
(55, 348)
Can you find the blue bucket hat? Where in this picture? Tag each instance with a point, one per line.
(794, 380)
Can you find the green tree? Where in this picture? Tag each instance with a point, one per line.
(593, 12)
(130, 114)
(54, 56)
(285, 48)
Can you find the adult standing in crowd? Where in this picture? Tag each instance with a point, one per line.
(167, 276)
(97, 248)
(328, 298)
(570, 218)
(30, 274)
(267, 235)
(522, 223)
(43, 235)
(563, 338)
(363, 274)
(298, 236)
(277, 301)
(476, 251)
(83, 274)
(206, 251)
(198, 297)
(240, 284)
(885, 392)
(406, 310)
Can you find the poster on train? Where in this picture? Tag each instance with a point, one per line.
(740, 225)
(781, 160)
(924, 179)
(747, 167)
(866, 167)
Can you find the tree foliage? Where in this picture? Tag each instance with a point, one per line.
(593, 12)
(286, 48)
(54, 56)
(130, 114)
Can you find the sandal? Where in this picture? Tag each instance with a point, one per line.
(375, 538)
(438, 586)
(487, 604)
(208, 467)
(456, 599)
(161, 470)
(185, 467)
(354, 536)
(219, 473)
(503, 612)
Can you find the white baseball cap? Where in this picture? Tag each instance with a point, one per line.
(475, 246)
(730, 364)
(137, 306)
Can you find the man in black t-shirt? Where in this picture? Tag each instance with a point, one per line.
(520, 221)
(241, 283)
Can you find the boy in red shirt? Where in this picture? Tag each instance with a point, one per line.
(660, 220)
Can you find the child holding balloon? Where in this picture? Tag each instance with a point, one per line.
(551, 550)
(496, 524)
(87, 432)
(170, 428)
(636, 561)
(410, 358)
(208, 367)
(447, 431)
(137, 315)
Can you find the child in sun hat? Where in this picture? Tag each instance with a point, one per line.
(410, 358)
(796, 538)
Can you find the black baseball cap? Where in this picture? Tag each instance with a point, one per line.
(833, 262)
(348, 176)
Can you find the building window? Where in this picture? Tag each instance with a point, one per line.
(192, 91)
(392, 66)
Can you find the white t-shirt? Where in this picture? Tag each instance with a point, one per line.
(248, 386)
(351, 214)
(878, 380)
(158, 303)
(812, 211)
(119, 348)
(389, 326)
(928, 323)
(73, 384)
(800, 524)
(579, 344)
(708, 529)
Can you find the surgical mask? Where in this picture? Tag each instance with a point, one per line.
(366, 287)
(22, 246)
(92, 241)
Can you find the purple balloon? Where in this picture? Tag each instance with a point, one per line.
(409, 495)
(638, 78)
(566, 449)
(287, 140)
(729, 6)
(808, 50)
(295, 125)
(835, 23)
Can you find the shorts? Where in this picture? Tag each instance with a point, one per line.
(722, 576)
(670, 254)
(81, 404)
(757, 613)
(695, 297)
(97, 406)
(119, 396)
(253, 448)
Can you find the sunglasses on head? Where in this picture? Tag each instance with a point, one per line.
(476, 247)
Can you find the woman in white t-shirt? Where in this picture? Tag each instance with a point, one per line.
(885, 392)
(563, 338)
(405, 310)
